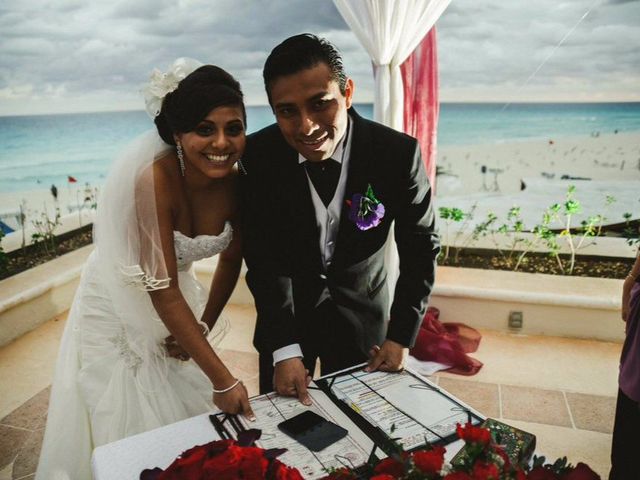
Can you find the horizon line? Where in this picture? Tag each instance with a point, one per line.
(455, 102)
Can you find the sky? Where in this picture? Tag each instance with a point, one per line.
(77, 55)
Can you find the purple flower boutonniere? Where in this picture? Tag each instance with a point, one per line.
(366, 211)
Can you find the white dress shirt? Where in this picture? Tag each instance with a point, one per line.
(328, 221)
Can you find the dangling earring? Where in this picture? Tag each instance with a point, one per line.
(180, 157)
(243, 170)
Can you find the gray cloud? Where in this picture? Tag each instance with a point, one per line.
(77, 55)
(491, 50)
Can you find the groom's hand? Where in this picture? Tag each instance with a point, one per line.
(290, 379)
(391, 357)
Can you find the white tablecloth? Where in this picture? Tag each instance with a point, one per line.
(126, 458)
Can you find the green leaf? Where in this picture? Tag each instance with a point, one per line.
(370, 195)
(457, 214)
(572, 206)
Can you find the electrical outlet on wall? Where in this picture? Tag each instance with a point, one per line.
(515, 320)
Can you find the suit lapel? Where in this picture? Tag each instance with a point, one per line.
(303, 212)
(357, 181)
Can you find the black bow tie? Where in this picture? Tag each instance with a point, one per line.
(324, 175)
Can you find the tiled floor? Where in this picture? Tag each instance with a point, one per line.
(561, 390)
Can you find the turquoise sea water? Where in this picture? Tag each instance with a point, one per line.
(38, 151)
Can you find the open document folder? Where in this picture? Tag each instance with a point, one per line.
(374, 407)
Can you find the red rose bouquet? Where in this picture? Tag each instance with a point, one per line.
(226, 460)
(483, 460)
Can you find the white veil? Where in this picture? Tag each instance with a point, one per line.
(126, 231)
(130, 259)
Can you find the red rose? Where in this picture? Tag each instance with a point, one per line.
(471, 434)
(236, 462)
(429, 461)
(188, 465)
(542, 473)
(581, 472)
(279, 471)
(252, 464)
(383, 476)
(227, 460)
(458, 476)
(486, 471)
(390, 466)
(520, 475)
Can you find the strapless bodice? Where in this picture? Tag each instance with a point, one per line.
(189, 249)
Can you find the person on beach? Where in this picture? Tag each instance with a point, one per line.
(322, 189)
(139, 313)
(625, 442)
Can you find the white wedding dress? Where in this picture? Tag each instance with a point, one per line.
(113, 377)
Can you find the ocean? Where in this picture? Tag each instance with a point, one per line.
(38, 151)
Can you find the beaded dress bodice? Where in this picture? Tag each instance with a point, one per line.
(189, 249)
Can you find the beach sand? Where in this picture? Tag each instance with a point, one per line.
(606, 157)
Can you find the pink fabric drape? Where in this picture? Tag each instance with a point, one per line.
(421, 107)
(447, 343)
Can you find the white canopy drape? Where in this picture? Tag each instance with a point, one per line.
(390, 30)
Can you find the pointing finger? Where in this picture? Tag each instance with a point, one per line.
(247, 411)
(301, 388)
(374, 363)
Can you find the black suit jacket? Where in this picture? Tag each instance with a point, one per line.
(281, 239)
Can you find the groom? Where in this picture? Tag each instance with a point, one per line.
(322, 188)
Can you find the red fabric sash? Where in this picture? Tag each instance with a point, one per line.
(447, 343)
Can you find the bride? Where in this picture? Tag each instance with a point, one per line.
(139, 314)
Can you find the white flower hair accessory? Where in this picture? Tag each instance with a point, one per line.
(161, 84)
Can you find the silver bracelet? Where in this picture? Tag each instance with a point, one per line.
(225, 390)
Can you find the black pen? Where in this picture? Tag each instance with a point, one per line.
(236, 423)
(216, 424)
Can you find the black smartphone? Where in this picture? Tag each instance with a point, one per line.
(312, 431)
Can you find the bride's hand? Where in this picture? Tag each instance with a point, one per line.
(235, 401)
(174, 350)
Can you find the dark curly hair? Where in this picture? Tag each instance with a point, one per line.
(204, 89)
(301, 52)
